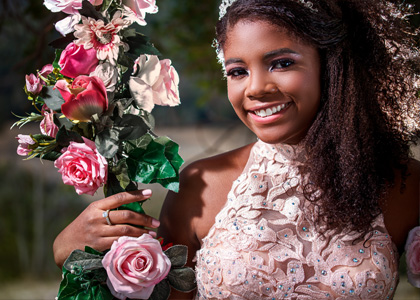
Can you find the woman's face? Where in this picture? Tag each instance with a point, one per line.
(273, 81)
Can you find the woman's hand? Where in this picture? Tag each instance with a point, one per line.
(91, 228)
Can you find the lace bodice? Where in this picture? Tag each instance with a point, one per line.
(263, 247)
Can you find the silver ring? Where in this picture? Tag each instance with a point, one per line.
(105, 214)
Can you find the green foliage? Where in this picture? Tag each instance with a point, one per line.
(84, 277)
(154, 161)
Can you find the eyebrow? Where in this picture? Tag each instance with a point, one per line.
(267, 55)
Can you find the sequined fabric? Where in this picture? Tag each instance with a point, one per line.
(263, 247)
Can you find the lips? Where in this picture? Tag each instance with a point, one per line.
(266, 112)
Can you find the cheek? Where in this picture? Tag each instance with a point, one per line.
(235, 96)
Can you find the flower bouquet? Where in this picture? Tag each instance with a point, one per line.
(94, 106)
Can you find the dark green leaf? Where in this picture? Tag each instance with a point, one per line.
(121, 173)
(177, 255)
(161, 291)
(107, 143)
(140, 44)
(64, 137)
(61, 121)
(88, 10)
(131, 127)
(101, 292)
(83, 259)
(112, 186)
(182, 279)
(52, 98)
(134, 206)
(51, 156)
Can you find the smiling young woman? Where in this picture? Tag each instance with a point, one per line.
(274, 82)
(320, 206)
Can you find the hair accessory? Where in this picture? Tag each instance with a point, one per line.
(227, 3)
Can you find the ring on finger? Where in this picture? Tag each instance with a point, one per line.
(105, 214)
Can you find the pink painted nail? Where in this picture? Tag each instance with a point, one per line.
(146, 192)
(152, 233)
(155, 223)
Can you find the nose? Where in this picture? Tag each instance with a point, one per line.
(260, 85)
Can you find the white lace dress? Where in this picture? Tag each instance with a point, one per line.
(262, 246)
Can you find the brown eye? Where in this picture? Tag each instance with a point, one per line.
(237, 72)
(281, 64)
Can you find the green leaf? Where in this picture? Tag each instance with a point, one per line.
(60, 120)
(140, 44)
(57, 57)
(106, 4)
(177, 255)
(64, 137)
(107, 142)
(121, 173)
(53, 98)
(51, 156)
(161, 291)
(83, 259)
(88, 10)
(182, 279)
(101, 292)
(131, 127)
(112, 186)
(155, 161)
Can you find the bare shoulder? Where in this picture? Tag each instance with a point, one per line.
(204, 185)
(402, 207)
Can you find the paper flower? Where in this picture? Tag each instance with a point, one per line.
(82, 166)
(134, 266)
(83, 98)
(102, 37)
(75, 60)
(137, 9)
(156, 82)
(412, 252)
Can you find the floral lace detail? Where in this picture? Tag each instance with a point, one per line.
(262, 246)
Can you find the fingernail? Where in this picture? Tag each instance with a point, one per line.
(155, 223)
(152, 233)
(146, 192)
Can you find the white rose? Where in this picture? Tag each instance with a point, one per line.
(66, 25)
(108, 74)
(156, 82)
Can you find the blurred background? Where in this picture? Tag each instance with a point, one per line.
(34, 203)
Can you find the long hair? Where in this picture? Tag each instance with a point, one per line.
(369, 110)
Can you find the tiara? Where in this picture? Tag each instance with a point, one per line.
(227, 3)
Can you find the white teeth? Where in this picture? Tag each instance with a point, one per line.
(269, 111)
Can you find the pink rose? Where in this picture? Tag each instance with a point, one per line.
(47, 125)
(137, 9)
(83, 98)
(76, 60)
(82, 166)
(25, 142)
(33, 84)
(70, 7)
(156, 82)
(412, 252)
(134, 266)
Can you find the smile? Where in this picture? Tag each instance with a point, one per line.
(263, 113)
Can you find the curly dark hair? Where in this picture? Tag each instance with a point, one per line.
(369, 109)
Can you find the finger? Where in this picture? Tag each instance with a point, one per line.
(133, 218)
(117, 231)
(117, 200)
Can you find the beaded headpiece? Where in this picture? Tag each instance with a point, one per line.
(226, 3)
